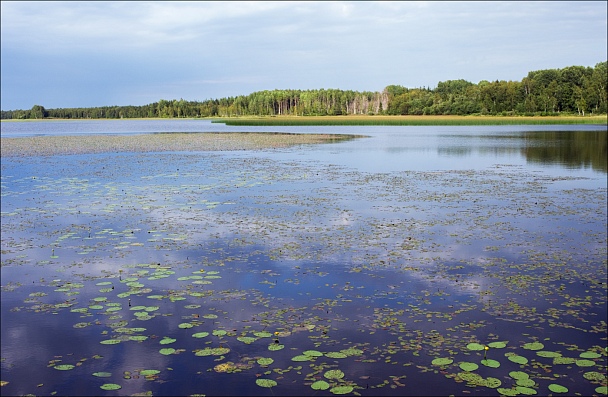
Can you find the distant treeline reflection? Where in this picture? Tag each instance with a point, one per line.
(573, 149)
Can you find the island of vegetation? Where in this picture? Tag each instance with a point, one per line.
(574, 94)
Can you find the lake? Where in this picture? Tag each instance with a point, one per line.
(409, 261)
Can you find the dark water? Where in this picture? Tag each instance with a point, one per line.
(356, 263)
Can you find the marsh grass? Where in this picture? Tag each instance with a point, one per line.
(410, 120)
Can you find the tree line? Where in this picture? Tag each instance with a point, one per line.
(571, 90)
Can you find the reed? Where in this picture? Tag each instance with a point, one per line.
(411, 120)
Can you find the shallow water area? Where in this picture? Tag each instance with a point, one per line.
(373, 266)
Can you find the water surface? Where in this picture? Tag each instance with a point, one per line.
(357, 263)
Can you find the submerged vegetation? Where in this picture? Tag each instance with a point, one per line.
(574, 90)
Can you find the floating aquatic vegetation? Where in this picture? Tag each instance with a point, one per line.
(110, 386)
(265, 382)
(64, 367)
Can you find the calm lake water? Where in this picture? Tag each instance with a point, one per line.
(377, 266)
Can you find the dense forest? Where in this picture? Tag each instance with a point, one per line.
(571, 90)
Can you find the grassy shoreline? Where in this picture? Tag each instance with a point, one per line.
(412, 120)
(375, 120)
(162, 142)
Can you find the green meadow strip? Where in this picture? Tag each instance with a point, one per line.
(411, 120)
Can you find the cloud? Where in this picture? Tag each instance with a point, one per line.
(141, 51)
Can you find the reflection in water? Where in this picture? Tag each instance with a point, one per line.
(573, 149)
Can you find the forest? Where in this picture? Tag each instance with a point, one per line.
(574, 90)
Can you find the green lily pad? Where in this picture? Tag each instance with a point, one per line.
(341, 389)
(475, 346)
(334, 374)
(555, 388)
(543, 353)
(265, 382)
(590, 355)
(497, 345)
(492, 383)
(148, 372)
(262, 334)
(507, 392)
(525, 390)
(265, 361)
(335, 355)
(602, 390)
(442, 361)
(138, 338)
(585, 363)
(301, 357)
(200, 334)
(219, 332)
(167, 350)
(593, 375)
(525, 382)
(312, 353)
(490, 363)
(518, 375)
(466, 366)
(246, 339)
(275, 347)
(110, 342)
(320, 385)
(518, 359)
(564, 360)
(110, 386)
(64, 367)
(185, 325)
(351, 351)
(102, 374)
(212, 351)
(166, 340)
(533, 346)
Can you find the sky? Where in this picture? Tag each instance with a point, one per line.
(87, 54)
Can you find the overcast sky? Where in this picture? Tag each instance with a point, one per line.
(85, 54)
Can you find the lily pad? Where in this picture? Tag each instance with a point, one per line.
(166, 340)
(585, 363)
(64, 367)
(518, 359)
(475, 346)
(544, 353)
(200, 334)
(341, 389)
(102, 374)
(442, 361)
(275, 347)
(334, 374)
(590, 355)
(555, 388)
(518, 375)
(312, 353)
(167, 350)
(265, 382)
(335, 355)
(490, 363)
(265, 361)
(533, 346)
(148, 372)
(320, 385)
(110, 386)
(497, 345)
(185, 325)
(526, 390)
(595, 376)
(466, 366)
